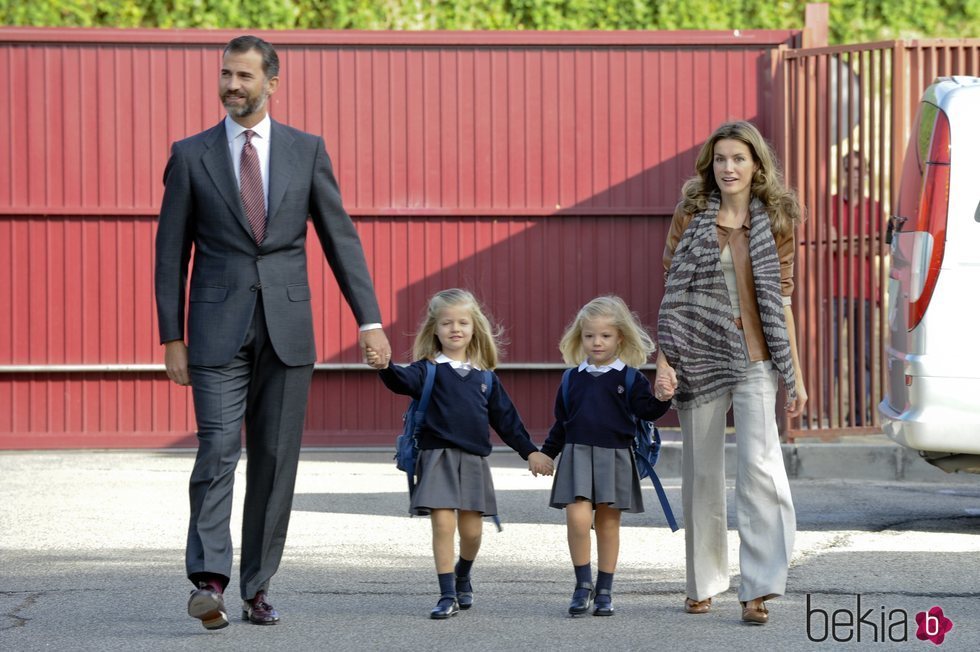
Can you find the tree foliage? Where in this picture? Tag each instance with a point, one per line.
(850, 20)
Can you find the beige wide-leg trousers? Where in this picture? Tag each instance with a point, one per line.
(764, 508)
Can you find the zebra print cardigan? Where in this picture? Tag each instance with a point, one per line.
(695, 329)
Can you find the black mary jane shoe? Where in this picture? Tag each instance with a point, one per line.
(464, 592)
(447, 606)
(604, 608)
(581, 604)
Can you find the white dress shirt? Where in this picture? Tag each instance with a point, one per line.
(616, 364)
(455, 364)
(260, 141)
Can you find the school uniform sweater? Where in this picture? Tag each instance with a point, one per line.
(460, 413)
(598, 413)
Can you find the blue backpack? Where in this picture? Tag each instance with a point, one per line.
(646, 445)
(407, 444)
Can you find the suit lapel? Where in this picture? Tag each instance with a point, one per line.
(282, 163)
(217, 161)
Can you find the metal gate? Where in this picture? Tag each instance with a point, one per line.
(847, 111)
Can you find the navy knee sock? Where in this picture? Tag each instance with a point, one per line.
(447, 585)
(462, 570)
(583, 575)
(604, 581)
(463, 567)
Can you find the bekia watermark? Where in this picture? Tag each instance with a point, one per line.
(860, 624)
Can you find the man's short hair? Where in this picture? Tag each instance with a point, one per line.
(270, 60)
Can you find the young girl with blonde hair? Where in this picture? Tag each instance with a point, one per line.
(597, 478)
(455, 486)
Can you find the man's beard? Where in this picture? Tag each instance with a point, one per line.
(250, 106)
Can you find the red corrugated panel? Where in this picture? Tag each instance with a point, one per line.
(527, 167)
(415, 130)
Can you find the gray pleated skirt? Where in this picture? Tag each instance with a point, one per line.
(450, 478)
(599, 475)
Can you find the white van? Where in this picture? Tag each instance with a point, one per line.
(932, 397)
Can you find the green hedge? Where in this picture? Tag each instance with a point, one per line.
(850, 20)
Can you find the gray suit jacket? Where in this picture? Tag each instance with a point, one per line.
(202, 211)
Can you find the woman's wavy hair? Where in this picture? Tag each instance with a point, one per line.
(781, 203)
(637, 345)
(483, 348)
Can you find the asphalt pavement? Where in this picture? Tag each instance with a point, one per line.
(91, 558)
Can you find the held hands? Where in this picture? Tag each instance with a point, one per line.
(175, 360)
(540, 464)
(666, 383)
(375, 346)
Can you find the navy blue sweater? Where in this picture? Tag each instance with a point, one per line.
(598, 414)
(460, 413)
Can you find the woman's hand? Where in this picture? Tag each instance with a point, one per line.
(666, 383)
(795, 407)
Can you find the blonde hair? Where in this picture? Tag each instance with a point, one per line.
(634, 350)
(781, 203)
(483, 348)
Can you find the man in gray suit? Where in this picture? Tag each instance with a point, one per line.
(239, 196)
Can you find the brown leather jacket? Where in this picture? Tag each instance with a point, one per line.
(738, 239)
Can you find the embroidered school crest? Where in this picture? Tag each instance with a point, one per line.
(483, 388)
(620, 389)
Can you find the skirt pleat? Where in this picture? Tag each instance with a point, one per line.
(599, 475)
(451, 478)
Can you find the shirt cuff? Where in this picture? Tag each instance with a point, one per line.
(787, 301)
(369, 327)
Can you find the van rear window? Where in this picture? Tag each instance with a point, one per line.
(926, 122)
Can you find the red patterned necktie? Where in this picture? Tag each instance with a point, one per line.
(253, 196)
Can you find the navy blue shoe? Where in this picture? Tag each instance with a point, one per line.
(464, 592)
(581, 598)
(447, 606)
(603, 603)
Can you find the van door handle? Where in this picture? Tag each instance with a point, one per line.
(895, 223)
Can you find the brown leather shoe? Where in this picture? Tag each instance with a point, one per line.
(755, 613)
(258, 611)
(208, 605)
(696, 606)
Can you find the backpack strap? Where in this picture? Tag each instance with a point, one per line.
(630, 379)
(419, 415)
(430, 381)
(565, 378)
(488, 381)
(645, 463)
(661, 494)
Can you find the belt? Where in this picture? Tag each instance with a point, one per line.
(738, 322)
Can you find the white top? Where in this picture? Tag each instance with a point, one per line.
(728, 271)
(260, 141)
(455, 364)
(616, 364)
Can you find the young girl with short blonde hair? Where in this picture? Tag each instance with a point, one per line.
(597, 478)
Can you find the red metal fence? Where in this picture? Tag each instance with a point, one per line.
(539, 169)
(846, 108)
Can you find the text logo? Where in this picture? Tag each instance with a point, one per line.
(933, 625)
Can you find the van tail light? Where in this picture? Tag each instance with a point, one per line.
(933, 211)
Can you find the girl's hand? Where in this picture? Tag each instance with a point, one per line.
(666, 383)
(540, 464)
(374, 358)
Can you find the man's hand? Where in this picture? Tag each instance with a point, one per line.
(175, 359)
(375, 347)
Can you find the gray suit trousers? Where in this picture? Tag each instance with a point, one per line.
(270, 397)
